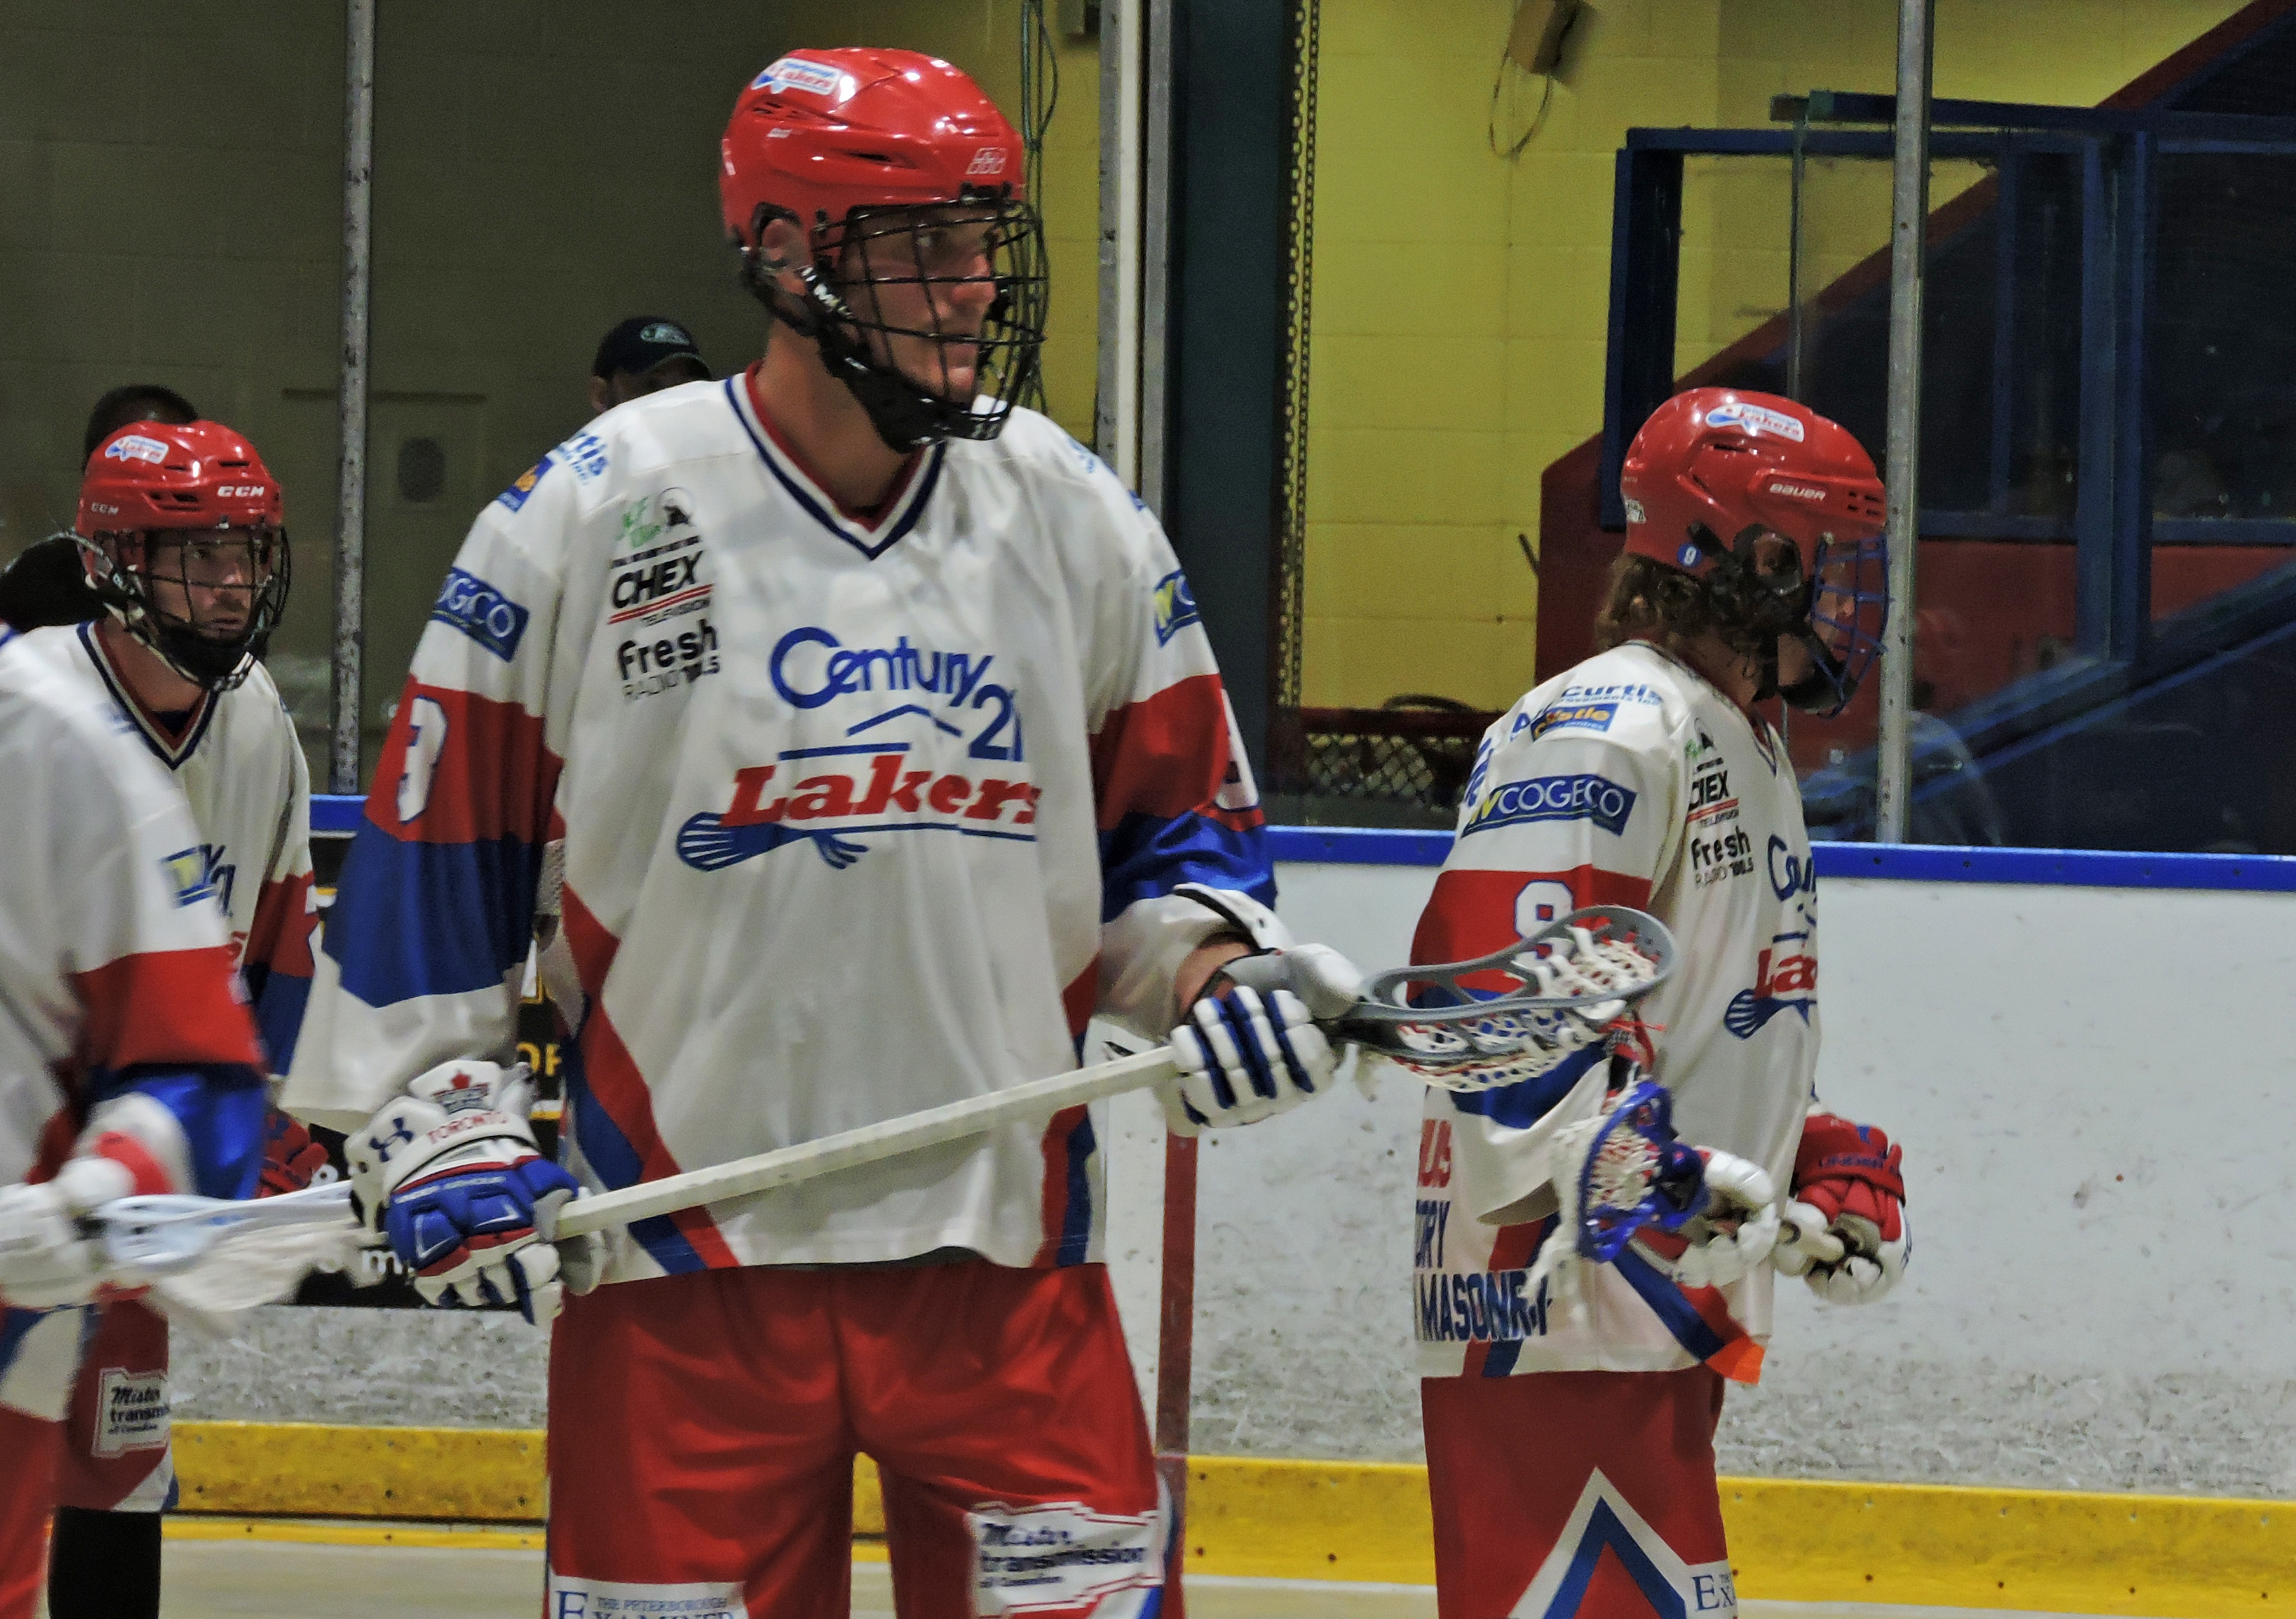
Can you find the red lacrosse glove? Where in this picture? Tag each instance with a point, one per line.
(1851, 1172)
(291, 1158)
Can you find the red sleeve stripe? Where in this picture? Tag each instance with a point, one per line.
(487, 777)
(1164, 756)
(280, 936)
(131, 1155)
(164, 1009)
(1472, 913)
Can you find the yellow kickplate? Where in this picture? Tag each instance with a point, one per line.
(2169, 1556)
(310, 1470)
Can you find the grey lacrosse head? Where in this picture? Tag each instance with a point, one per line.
(1516, 1012)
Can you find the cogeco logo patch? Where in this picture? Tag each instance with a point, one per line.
(1574, 798)
(468, 603)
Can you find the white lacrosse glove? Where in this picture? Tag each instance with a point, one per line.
(1849, 1239)
(51, 1257)
(1255, 1050)
(1846, 1261)
(1738, 1226)
(450, 1175)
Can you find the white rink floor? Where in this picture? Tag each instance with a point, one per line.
(260, 1580)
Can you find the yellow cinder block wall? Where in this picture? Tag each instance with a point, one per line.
(1462, 301)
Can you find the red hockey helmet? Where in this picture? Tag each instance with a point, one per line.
(187, 528)
(887, 158)
(822, 133)
(1715, 469)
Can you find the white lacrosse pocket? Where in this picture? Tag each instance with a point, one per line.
(1031, 1559)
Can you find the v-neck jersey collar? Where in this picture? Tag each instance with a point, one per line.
(172, 748)
(872, 536)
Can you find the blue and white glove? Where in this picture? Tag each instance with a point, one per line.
(450, 1175)
(1252, 1049)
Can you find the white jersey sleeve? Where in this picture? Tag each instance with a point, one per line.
(1174, 797)
(423, 954)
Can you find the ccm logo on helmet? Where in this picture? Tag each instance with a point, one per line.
(988, 160)
(239, 492)
(137, 447)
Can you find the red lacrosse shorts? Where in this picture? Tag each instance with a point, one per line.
(26, 1495)
(1576, 1495)
(115, 1455)
(703, 1427)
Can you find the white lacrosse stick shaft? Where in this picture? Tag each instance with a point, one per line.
(1038, 1099)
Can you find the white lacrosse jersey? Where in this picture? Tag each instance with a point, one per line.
(1628, 781)
(863, 814)
(241, 766)
(113, 962)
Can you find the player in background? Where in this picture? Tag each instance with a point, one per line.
(180, 525)
(47, 582)
(641, 355)
(886, 748)
(127, 1060)
(1645, 776)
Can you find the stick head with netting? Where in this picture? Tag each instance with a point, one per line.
(209, 1256)
(1514, 1014)
(1634, 1175)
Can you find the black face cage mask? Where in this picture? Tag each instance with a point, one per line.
(217, 662)
(841, 318)
(1765, 606)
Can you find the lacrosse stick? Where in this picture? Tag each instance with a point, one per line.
(1574, 977)
(213, 1255)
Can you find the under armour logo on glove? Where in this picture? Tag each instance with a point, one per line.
(449, 1173)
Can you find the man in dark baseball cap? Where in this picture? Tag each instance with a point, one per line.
(644, 355)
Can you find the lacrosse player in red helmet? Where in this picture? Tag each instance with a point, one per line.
(886, 748)
(181, 533)
(1561, 1425)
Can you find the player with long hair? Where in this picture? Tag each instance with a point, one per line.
(1570, 1439)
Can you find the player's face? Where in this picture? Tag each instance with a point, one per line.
(931, 274)
(207, 579)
